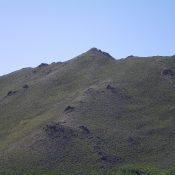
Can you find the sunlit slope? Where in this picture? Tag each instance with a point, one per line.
(91, 112)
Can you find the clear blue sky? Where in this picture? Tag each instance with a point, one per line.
(35, 31)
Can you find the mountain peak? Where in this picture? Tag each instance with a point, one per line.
(95, 51)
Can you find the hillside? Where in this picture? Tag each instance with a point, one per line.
(88, 115)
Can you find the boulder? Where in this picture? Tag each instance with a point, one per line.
(69, 109)
(25, 86)
(84, 129)
(111, 159)
(130, 56)
(109, 87)
(54, 130)
(167, 72)
(42, 65)
(10, 93)
(112, 89)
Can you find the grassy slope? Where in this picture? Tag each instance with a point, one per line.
(134, 122)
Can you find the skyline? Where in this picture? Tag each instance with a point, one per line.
(39, 31)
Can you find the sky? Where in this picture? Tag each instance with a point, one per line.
(37, 31)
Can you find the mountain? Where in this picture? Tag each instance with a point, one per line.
(88, 115)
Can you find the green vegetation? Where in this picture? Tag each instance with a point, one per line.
(135, 170)
(90, 115)
(126, 170)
